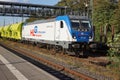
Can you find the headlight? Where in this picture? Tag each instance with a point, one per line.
(74, 37)
(90, 37)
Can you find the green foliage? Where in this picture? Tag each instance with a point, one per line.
(115, 20)
(103, 10)
(106, 12)
(74, 5)
(102, 13)
(114, 52)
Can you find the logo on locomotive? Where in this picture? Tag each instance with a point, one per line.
(35, 29)
(35, 32)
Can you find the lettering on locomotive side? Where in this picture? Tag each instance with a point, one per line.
(49, 26)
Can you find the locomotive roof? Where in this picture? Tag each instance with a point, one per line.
(78, 17)
(53, 19)
(41, 21)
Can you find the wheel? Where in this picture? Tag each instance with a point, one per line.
(58, 49)
(77, 53)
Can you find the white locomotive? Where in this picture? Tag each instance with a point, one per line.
(65, 32)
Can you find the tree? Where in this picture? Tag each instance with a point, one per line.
(74, 5)
(115, 20)
(102, 13)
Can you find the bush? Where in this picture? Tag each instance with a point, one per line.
(114, 52)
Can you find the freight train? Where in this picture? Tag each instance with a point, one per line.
(65, 33)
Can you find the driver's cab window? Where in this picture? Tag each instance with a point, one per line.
(61, 24)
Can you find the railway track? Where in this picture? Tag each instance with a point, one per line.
(49, 63)
(91, 66)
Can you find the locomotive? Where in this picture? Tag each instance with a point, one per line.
(67, 33)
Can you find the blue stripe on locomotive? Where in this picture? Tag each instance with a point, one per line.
(80, 36)
(67, 21)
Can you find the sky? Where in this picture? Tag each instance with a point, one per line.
(11, 20)
(44, 2)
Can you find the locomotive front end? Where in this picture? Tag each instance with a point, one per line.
(82, 33)
(82, 30)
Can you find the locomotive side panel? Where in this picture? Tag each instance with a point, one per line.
(61, 32)
(38, 32)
